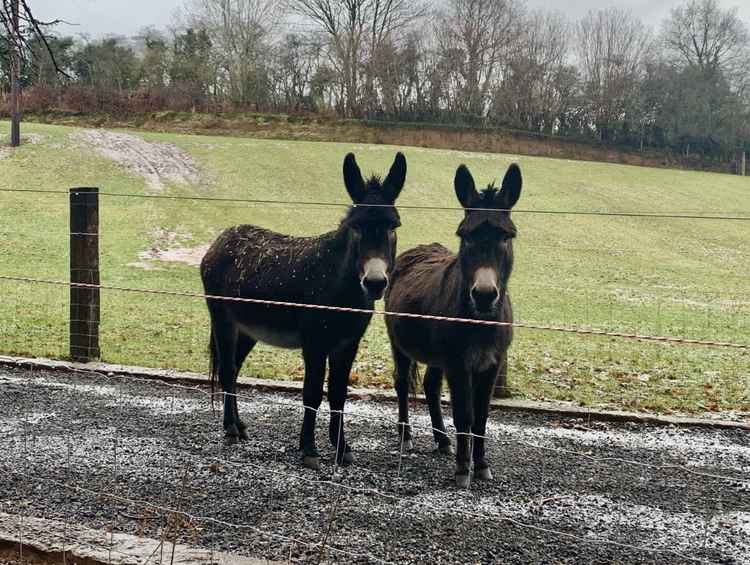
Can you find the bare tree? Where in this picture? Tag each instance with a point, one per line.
(356, 30)
(535, 88)
(19, 25)
(240, 31)
(612, 46)
(702, 35)
(475, 38)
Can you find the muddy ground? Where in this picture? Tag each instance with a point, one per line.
(158, 163)
(565, 491)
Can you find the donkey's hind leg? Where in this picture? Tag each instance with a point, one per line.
(402, 379)
(244, 346)
(433, 387)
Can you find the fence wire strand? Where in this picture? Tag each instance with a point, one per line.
(346, 310)
(323, 204)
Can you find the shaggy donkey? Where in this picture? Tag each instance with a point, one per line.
(473, 284)
(349, 266)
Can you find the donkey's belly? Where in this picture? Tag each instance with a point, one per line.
(278, 337)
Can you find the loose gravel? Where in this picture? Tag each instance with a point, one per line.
(565, 490)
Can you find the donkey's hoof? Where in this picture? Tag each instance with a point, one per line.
(462, 480)
(243, 434)
(407, 444)
(444, 449)
(230, 439)
(484, 474)
(347, 458)
(311, 462)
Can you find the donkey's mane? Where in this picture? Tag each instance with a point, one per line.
(487, 196)
(374, 207)
(487, 210)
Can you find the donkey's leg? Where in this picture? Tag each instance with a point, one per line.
(244, 346)
(340, 362)
(484, 385)
(402, 378)
(312, 396)
(225, 341)
(433, 387)
(463, 416)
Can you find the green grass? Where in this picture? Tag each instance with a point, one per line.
(688, 278)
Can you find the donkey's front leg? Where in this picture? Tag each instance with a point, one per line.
(340, 362)
(312, 396)
(463, 418)
(433, 387)
(484, 386)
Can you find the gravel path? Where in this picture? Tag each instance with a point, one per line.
(565, 491)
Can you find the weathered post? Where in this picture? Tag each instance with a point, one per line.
(84, 269)
(743, 166)
(15, 75)
(501, 384)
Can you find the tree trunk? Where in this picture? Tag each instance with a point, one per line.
(15, 71)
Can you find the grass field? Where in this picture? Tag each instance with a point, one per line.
(688, 278)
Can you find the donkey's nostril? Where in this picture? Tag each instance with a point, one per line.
(485, 298)
(375, 285)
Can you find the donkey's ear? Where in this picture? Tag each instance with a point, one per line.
(396, 178)
(466, 190)
(355, 184)
(511, 191)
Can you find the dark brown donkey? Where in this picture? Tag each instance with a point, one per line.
(347, 267)
(473, 284)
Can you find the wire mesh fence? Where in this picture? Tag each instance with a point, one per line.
(124, 455)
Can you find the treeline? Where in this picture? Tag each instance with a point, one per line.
(683, 84)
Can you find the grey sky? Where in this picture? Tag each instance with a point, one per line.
(126, 17)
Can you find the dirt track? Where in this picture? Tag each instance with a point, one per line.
(557, 504)
(158, 163)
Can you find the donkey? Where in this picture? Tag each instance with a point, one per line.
(348, 267)
(430, 280)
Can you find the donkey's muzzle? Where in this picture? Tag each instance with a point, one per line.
(485, 298)
(375, 278)
(375, 285)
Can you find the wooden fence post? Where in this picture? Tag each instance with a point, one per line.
(84, 269)
(501, 384)
(743, 167)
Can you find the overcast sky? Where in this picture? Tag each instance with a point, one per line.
(127, 17)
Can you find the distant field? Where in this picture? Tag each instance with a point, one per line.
(688, 278)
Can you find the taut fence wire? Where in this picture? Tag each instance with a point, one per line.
(433, 318)
(297, 203)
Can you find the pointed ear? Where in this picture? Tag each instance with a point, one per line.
(511, 191)
(466, 190)
(396, 178)
(355, 184)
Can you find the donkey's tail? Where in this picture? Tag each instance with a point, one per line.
(213, 367)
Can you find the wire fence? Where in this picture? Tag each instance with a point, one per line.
(85, 441)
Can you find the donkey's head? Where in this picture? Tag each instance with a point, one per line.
(487, 233)
(372, 222)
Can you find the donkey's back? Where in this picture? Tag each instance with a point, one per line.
(248, 260)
